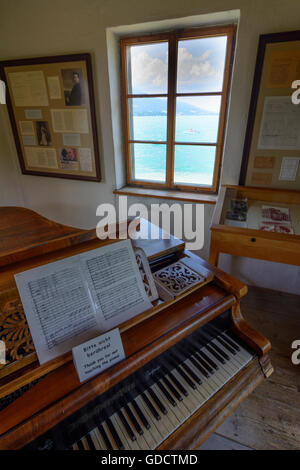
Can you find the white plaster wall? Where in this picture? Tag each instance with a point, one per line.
(34, 28)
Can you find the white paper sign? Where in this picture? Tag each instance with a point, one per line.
(33, 114)
(98, 354)
(71, 139)
(28, 139)
(54, 88)
(280, 124)
(289, 168)
(29, 88)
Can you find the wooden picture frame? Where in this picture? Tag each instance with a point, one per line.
(268, 150)
(52, 113)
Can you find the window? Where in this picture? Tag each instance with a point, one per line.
(175, 88)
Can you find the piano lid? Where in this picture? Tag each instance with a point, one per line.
(25, 234)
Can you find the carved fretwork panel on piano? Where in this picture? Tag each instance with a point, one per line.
(189, 362)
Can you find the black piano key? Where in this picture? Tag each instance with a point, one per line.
(187, 369)
(195, 342)
(208, 359)
(186, 378)
(195, 361)
(177, 383)
(231, 343)
(80, 445)
(225, 345)
(126, 425)
(204, 364)
(157, 401)
(150, 406)
(90, 442)
(233, 336)
(166, 393)
(172, 388)
(133, 420)
(183, 374)
(113, 431)
(215, 354)
(191, 373)
(105, 437)
(140, 414)
(220, 351)
(191, 355)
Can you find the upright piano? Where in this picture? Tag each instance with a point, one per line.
(189, 361)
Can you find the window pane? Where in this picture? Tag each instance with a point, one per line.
(201, 64)
(197, 119)
(194, 164)
(147, 68)
(148, 118)
(148, 162)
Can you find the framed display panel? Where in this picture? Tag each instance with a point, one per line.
(51, 107)
(272, 145)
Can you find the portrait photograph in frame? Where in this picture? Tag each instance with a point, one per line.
(52, 113)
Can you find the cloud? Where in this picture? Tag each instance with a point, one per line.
(149, 72)
(192, 68)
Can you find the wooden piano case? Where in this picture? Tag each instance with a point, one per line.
(42, 396)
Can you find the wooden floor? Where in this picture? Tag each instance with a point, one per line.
(270, 417)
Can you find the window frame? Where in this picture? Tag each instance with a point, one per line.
(172, 38)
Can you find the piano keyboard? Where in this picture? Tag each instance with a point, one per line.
(147, 407)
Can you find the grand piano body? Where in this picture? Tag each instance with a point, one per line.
(190, 360)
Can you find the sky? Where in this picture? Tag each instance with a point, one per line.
(200, 69)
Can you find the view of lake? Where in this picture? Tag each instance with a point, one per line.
(193, 164)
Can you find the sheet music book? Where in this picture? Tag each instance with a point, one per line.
(70, 301)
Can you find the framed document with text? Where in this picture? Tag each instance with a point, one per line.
(271, 156)
(52, 112)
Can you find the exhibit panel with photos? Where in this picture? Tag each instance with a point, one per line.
(52, 113)
(272, 144)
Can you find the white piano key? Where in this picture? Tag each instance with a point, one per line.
(140, 439)
(237, 360)
(186, 400)
(164, 424)
(155, 431)
(243, 352)
(212, 382)
(222, 371)
(109, 435)
(97, 440)
(85, 443)
(147, 436)
(180, 410)
(193, 397)
(172, 417)
(205, 388)
(232, 364)
(127, 442)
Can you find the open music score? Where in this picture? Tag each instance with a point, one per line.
(73, 300)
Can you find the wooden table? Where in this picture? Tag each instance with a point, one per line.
(251, 242)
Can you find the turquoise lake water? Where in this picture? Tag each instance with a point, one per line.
(193, 164)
